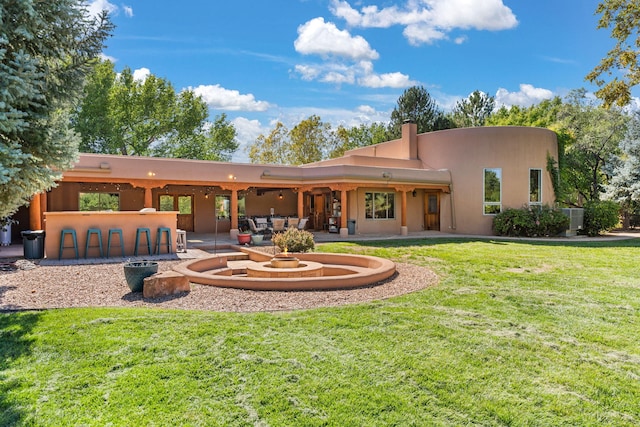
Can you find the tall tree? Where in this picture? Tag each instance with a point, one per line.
(623, 17)
(474, 110)
(597, 133)
(311, 140)
(122, 115)
(357, 136)
(46, 48)
(271, 149)
(416, 105)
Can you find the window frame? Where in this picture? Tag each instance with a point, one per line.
(539, 202)
(370, 212)
(491, 204)
(100, 204)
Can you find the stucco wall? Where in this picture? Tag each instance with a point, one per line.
(467, 152)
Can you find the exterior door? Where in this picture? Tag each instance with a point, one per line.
(319, 215)
(432, 211)
(181, 203)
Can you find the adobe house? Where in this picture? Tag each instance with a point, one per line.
(453, 180)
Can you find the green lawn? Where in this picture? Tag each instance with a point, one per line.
(515, 333)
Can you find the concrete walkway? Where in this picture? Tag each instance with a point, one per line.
(203, 244)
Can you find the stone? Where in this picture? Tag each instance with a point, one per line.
(165, 283)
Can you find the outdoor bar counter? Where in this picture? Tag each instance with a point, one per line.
(127, 221)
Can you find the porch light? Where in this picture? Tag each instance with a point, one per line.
(280, 196)
(151, 173)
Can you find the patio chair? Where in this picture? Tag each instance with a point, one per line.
(253, 228)
(303, 223)
(293, 222)
(262, 224)
(278, 224)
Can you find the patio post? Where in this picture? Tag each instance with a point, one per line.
(234, 213)
(403, 214)
(35, 213)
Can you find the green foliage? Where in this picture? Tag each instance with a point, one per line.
(474, 110)
(46, 49)
(358, 136)
(600, 216)
(123, 115)
(622, 59)
(294, 240)
(417, 105)
(530, 222)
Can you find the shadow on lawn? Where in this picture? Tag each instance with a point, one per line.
(14, 329)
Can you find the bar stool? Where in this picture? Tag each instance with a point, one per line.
(181, 243)
(63, 233)
(167, 232)
(114, 232)
(139, 232)
(91, 232)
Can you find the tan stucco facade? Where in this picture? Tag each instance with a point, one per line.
(435, 181)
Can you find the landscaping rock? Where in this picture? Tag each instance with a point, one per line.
(166, 283)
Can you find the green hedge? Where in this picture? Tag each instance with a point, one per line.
(530, 222)
(600, 216)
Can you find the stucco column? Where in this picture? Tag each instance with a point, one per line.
(344, 209)
(35, 213)
(233, 232)
(404, 230)
(300, 203)
(148, 197)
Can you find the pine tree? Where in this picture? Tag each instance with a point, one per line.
(46, 49)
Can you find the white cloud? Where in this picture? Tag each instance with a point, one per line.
(527, 96)
(361, 73)
(426, 21)
(141, 74)
(317, 37)
(104, 57)
(220, 98)
(95, 7)
(247, 133)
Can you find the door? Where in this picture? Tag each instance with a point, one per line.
(432, 211)
(181, 203)
(319, 214)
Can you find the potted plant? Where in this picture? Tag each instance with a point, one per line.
(136, 271)
(244, 238)
(5, 230)
(257, 239)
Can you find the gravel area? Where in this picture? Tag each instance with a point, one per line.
(25, 285)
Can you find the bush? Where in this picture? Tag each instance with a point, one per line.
(294, 240)
(600, 216)
(530, 222)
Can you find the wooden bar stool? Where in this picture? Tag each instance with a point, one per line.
(147, 233)
(115, 232)
(63, 233)
(166, 231)
(181, 243)
(93, 232)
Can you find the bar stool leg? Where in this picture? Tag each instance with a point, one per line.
(147, 233)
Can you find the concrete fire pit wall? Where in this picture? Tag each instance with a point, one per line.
(340, 271)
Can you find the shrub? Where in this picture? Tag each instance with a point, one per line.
(294, 240)
(600, 216)
(530, 222)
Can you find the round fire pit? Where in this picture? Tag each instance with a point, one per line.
(284, 262)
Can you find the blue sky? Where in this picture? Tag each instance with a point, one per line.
(348, 61)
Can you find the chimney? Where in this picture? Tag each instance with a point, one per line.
(410, 139)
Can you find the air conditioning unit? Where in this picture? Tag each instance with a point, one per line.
(576, 217)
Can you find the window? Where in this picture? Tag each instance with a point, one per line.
(380, 205)
(182, 204)
(492, 191)
(223, 206)
(535, 186)
(99, 201)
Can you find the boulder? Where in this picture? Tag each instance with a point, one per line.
(165, 283)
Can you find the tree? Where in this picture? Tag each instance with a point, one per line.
(357, 136)
(624, 18)
(122, 115)
(309, 141)
(216, 141)
(597, 133)
(46, 49)
(416, 105)
(624, 185)
(271, 149)
(474, 110)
